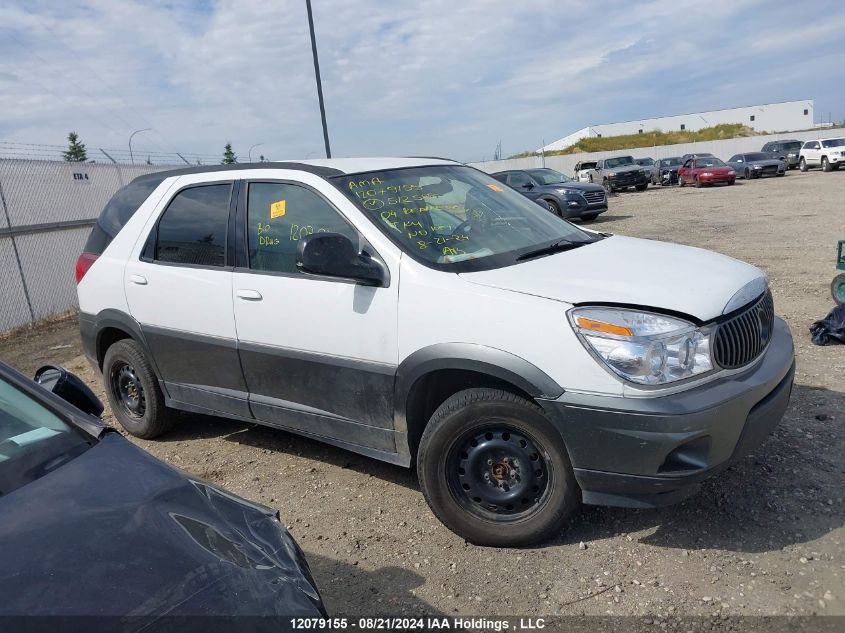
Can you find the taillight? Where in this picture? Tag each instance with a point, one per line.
(85, 261)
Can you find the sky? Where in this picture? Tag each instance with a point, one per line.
(434, 77)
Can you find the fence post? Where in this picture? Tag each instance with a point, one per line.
(17, 255)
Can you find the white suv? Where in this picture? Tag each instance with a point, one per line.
(827, 153)
(419, 312)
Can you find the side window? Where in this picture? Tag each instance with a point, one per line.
(518, 180)
(688, 164)
(501, 177)
(192, 230)
(735, 159)
(279, 215)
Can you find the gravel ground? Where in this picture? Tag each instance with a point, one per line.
(763, 538)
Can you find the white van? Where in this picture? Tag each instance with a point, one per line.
(420, 312)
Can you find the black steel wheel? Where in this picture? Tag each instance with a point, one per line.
(494, 469)
(498, 471)
(128, 389)
(133, 392)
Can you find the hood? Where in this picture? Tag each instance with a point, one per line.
(624, 168)
(173, 545)
(766, 162)
(630, 271)
(574, 184)
(718, 170)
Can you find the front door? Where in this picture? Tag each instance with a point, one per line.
(319, 354)
(180, 292)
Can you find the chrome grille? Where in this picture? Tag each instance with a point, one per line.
(594, 196)
(745, 336)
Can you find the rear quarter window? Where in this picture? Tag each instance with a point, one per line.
(117, 213)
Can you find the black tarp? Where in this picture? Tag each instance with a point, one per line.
(831, 329)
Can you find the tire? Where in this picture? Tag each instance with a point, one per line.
(681, 182)
(747, 174)
(591, 178)
(553, 207)
(641, 187)
(607, 186)
(825, 164)
(731, 182)
(477, 426)
(589, 216)
(696, 182)
(133, 392)
(802, 164)
(837, 288)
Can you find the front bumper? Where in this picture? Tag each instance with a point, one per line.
(648, 452)
(712, 180)
(578, 206)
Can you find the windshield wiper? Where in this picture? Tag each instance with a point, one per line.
(554, 247)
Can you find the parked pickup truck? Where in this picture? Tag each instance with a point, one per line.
(620, 172)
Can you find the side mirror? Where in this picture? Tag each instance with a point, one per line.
(334, 255)
(527, 185)
(69, 387)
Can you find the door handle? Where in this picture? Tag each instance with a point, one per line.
(249, 295)
(138, 280)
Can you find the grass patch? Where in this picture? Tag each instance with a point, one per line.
(652, 138)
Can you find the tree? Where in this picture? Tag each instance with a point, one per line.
(228, 155)
(75, 150)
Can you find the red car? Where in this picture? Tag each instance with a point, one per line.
(705, 170)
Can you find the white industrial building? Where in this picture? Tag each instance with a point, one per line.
(770, 117)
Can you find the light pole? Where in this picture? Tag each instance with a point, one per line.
(317, 75)
(131, 157)
(249, 152)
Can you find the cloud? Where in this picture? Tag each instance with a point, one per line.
(436, 78)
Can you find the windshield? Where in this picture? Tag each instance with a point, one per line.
(834, 142)
(709, 162)
(645, 162)
(791, 147)
(455, 218)
(671, 162)
(548, 176)
(610, 163)
(33, 440)
(752, 157)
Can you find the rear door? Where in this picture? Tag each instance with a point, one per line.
(812, 153)
(179, 288)
(319, 354)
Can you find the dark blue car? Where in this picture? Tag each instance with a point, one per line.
(91, 525)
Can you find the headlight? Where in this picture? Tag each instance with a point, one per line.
(643, 347)
(570, 192)
(756, 167)
(791, 155)
(731, 173)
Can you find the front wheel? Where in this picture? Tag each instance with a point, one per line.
(825, 164)
(747, 174)
(553, 207)
(696, 182)
(607, 186)
(837, 289)
(681, 182)
(642, 187)
(494, 470)
(133, 392)
(802, 165)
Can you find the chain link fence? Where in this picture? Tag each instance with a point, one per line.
(47, 209)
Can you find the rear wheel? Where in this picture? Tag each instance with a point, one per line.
(802, 164)
(495, 471)
(133, 392)
(825, 164)
(837, 289)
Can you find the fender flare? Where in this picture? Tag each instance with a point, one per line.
(471, 357)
